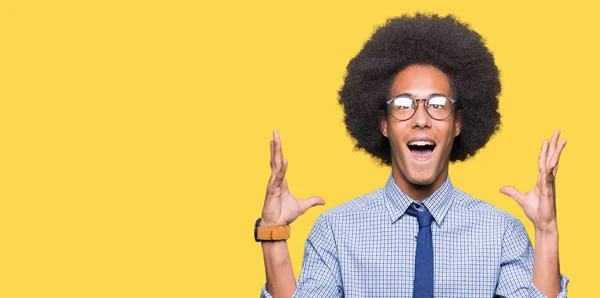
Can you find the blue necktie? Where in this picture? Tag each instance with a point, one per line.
(423, 284)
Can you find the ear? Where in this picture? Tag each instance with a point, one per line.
(383, 125)
(457, 124)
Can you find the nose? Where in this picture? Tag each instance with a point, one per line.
(421, 119)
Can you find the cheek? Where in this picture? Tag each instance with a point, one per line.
(449, 133)
(394, 131)
(396, 137)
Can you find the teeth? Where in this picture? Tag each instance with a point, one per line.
(421, 143)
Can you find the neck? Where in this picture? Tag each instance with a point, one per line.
(418, 192)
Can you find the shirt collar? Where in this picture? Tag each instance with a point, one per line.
(438, 203)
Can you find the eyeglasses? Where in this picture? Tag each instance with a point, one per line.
(403, 106)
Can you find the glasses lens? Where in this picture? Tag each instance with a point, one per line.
(402, 107)
(439, 107)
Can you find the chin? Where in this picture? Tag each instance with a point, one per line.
(422, 181)
(418, 173)
(422, 175)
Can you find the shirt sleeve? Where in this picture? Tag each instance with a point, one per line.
(516, 268)
(320, 275)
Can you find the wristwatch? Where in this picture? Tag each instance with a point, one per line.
(278, 233)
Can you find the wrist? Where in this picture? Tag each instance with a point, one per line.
(270, 218)
(267, 223)
(267, 220)
(270, 233)
(549, 229)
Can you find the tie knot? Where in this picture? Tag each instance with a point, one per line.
(423, 216)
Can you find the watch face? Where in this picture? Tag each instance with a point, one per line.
(256, 230)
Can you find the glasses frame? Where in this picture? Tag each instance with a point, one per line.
(425, 104)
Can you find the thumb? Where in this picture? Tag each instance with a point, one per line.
(512, 192)
(310, 202)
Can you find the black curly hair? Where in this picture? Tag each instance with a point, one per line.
(425, 39)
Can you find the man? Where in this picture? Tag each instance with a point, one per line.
(421, 93)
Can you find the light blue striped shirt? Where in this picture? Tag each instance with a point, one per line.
(366, 248)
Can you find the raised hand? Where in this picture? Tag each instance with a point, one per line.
(281, 207)
(539, 203)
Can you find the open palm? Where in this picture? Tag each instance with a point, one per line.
(281, 207)
(539, 204)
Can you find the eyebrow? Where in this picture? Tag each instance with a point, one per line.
(412, 96)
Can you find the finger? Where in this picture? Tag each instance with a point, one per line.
(280, 147)
(279, 177)
(277, 173)
(548, 185)
(272, 164)
(278, 156)
(276, 163)
(554, 161)
(513, 193)
(555, 170)
(552, 146)
(542, 158)
(272, 148)
(549, 176)
(284, 184)
(310, 202)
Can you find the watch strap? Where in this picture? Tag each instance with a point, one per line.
(277, 233)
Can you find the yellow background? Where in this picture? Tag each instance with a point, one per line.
(134, 135)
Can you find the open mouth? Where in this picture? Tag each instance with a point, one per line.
(421, 149)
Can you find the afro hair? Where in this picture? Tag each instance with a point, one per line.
(424, 39)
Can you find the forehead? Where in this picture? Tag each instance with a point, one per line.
(421, 81)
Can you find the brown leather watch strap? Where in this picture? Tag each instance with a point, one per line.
(273, 233)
